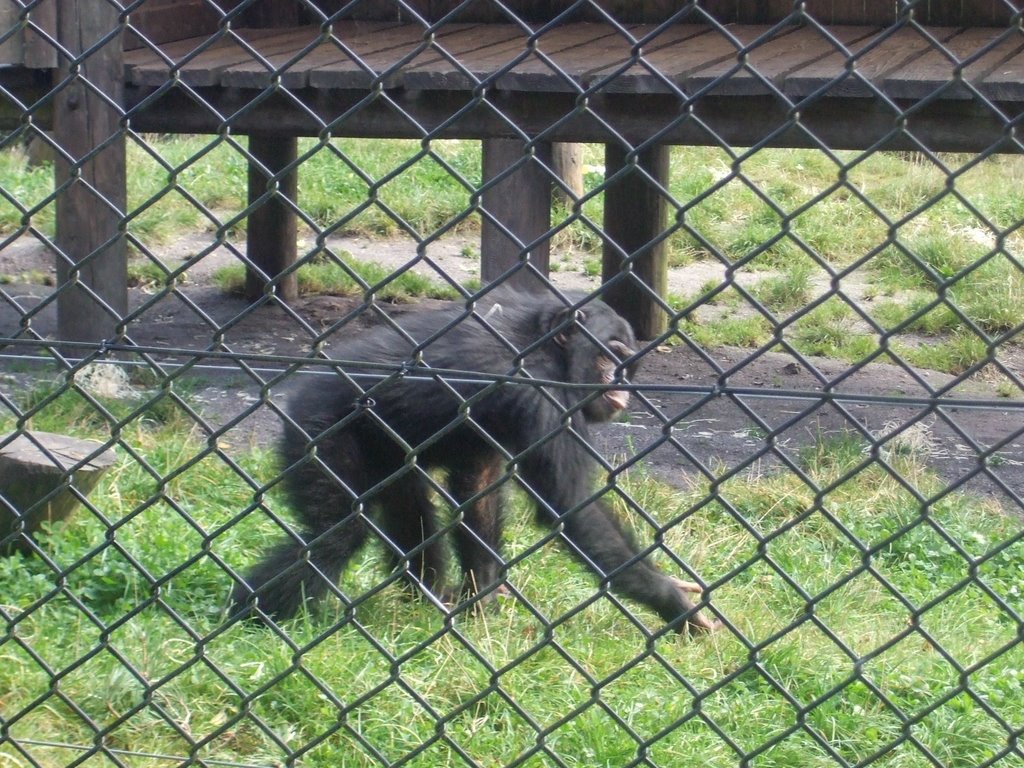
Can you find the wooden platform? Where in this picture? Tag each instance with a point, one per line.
(590, 82)
(894, 85)
(738, 60)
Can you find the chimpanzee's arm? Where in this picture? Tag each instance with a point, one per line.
(560, 472)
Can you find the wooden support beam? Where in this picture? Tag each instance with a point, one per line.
(948, 125)
(92, 263)
(271, 228)
(521, 204)
(635, 262)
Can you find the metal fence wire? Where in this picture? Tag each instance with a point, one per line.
(228, 222)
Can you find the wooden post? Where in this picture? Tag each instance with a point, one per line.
(92, 262)
(635, 213)
(567, 164)
(271, 228)
(522, 203)
(39, 51)
(27, 47)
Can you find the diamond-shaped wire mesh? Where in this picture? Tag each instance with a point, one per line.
(286, 283)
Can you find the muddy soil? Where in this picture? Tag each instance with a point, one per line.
(709, 412)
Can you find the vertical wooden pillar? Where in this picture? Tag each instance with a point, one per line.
(522, 203)
(271, 228)
(567, 164)
(92, 264)
(27, 46)
(635, 213)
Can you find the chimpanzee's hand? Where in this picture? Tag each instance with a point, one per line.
(695, 622)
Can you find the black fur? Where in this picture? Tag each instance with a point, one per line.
(355, 453)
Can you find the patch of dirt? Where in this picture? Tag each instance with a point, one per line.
(710, 412)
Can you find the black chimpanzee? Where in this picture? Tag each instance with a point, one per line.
(355, 440)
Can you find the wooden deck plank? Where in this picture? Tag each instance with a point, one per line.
(573, 51)
(1005, 81)
(373, 61)
(361, 37)
(799, 61)
(1003, 63)
(872, 62)
(208, 70)
(724, 74)
(417, 53)
(934, 70)
(369, 58)
(694, 62)
(495, 47)
(493, 53)
(662, 53)
(144, 67)
(577, 48)
(773, 60)
(442, 58)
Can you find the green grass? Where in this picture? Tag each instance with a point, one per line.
(829, 330)
(29, 189)
(788, 291)
(126, 617)
(342, 278)
(761, 213)
(987, 289)
(187, 183)
(38, 276)
(147, 274)
(954, 354)
(735, 331)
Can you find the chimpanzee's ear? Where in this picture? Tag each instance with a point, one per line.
(564, 322)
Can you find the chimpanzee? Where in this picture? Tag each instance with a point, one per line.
(373, 439)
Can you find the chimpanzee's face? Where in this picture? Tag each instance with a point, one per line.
(599, 352)
(611, 402)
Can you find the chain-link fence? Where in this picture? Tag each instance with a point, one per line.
(319, 446)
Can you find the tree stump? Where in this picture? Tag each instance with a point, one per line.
(29, 474)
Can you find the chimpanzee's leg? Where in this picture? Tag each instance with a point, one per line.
(478, 535)
(295, 571)
(331, 526)
(414, 543)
